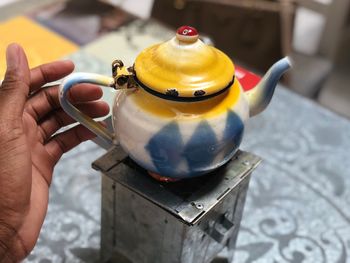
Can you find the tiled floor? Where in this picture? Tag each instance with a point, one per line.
(336, 91)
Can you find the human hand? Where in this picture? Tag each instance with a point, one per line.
(29, 148)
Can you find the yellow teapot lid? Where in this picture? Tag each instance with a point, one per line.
(184, 67)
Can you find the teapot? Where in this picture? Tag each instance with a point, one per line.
(180, 109)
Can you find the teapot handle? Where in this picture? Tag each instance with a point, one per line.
(76, 114)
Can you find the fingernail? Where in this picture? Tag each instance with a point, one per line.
(68, 61)
(12, 56)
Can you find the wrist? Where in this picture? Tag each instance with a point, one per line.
(8, 240)
(6, 257)
(6, 236)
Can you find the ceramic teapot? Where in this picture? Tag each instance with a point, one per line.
(180, 109)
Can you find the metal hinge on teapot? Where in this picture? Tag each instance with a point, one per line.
(124, 78)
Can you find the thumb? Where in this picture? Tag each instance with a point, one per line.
(15, 87)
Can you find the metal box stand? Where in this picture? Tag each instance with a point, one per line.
(190, 221)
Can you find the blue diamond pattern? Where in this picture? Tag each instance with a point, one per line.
(164, 147)
(167, 149)
(233, 133)
(202, 148)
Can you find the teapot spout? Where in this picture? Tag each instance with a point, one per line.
(260, 96)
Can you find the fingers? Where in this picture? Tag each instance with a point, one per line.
(15, 87)
(59, 118)
(63, 142)
(46, 73)
(47, 99)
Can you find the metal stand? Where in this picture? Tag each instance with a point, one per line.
(190, 221)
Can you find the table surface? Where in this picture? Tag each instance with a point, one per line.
(297, 208)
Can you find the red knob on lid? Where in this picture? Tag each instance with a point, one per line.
(187, 31)
(187, 34)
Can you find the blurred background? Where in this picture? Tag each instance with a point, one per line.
(301, 192)
(255, 33)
